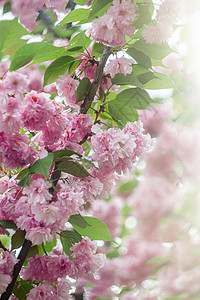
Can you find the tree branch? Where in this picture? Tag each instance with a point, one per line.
(22, 256)
(97, 79)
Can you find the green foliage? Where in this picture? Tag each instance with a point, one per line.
(69, 238)
(38, 52)
(56, 68)
(75, 15)
(127, 186)
(82, 89)
(145, 12)
(152, 50)
(129, 79)
(160, 81)
(81, 41)
(78, 220)
(48, 246)
(95, 229)
(134, 98)
(81, 2)
(122, 113)
(59, 154)
(73, 168)
(139, 56)
(5, 224)
(99, 7)
(10, 33)
(41, 166)
(17, 239)
(21, 289)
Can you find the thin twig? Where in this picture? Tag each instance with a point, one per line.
(21, 257)
(97, 79)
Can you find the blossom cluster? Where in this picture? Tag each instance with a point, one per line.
(111, 28)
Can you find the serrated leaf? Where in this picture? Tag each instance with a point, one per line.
(78, 220)
(63, 153)
(133, 98)
(146, 77)
(22, 173)
(144, 15)
(140, 57)
(99, 7)
(10, 33)
(42, 166)
(73, 168)
(5, 224)
(56, 68)
(154, 51)
(69, 238)
(81, 2)
(82, 89)
(160, 82)
(95, 230)
(75, 15)
(74, 65)
(32, 253)
(79, 40)
(122, 114)
(25, 180)
(38, 52)
(17, 239)
(21, 289)
(129, 79)
(48, 246)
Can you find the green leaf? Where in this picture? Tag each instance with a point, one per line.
(57, 155)
(146, 77)
(69, 238)
(133, 98)
(97, 49)
(144, 15)
(7, 7)
(21, 289)
(74, 65)
(5, 224)
(17, 239)
(38, 52)
(81, 2)
(42, 166)
(82, 89)
(10, 33)
(95, 230)
(22, 173)
(129, 79)
(75, 15)
(73, 168)
(48, 246)
(32, 252)
(122, 113)
(56, 68)
(78, 220)
(140, 57)
(160, 82)
(127, 186)
(154, 51)
(26, 180)
(79, 40)
(99, 7)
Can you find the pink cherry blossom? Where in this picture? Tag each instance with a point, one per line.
(158, 34)
(37, 111)
(66, 87)
(119, 65)
(42, 292)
